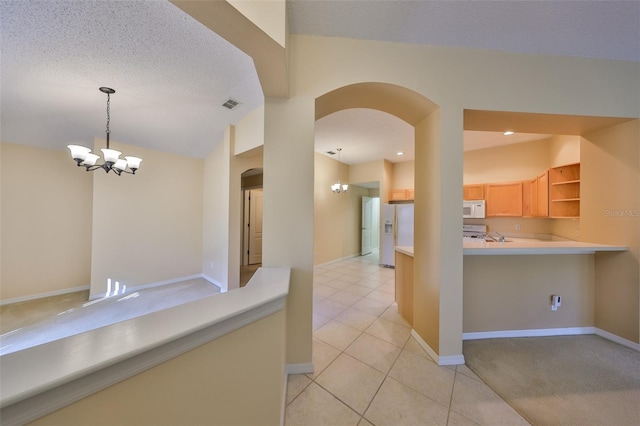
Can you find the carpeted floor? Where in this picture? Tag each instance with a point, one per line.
(563, 380)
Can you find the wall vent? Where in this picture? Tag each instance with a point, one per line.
(230, 103)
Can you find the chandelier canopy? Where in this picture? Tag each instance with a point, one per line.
(338, 187)
(112, 161)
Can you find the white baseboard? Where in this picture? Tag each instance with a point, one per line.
(223, 287)
(540, 332)
(617, 339)
(301, 368)
(337, 260)
(440, 360)
(43, 295)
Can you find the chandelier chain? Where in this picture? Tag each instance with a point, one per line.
(108, 112)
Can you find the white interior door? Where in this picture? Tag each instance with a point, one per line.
(367, 226)
(255, 226)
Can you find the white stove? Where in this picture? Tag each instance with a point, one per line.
(474, 233)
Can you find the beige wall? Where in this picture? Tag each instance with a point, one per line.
(564, 149)
(513, 292)
(46, 222)
(288, 211)
(610, 214)
(249, 133)
(508, 163)
(403, 175)
(337, 217)
(147, 228)
(216, 212)
(218, 383)
(320, 65)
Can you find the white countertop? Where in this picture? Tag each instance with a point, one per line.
(514, 246)
(41, 368)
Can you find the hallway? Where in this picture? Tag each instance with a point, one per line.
(370, 371)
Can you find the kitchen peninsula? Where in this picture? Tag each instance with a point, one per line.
(507, 286)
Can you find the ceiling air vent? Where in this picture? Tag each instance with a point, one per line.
(230, 103)
(331, 153)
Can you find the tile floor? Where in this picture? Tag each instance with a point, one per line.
(368, 370)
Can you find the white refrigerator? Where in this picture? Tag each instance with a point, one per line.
(397, 230)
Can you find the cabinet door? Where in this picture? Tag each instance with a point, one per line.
(409, 194)
(473, 192)
(528, 188)
(542, 196)
(397, 195)
(504, 199)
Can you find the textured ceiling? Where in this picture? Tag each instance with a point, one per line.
(171, 74)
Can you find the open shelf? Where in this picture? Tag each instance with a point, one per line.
(564, 191)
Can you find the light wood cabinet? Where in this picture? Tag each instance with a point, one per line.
(401, 195)
(564, 191)
(504, 199)
(529, 188)
(473, 192)
(542, 195)
(404, 286)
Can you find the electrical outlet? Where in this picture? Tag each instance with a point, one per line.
(517, 226)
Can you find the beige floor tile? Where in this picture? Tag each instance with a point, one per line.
(323, 355)
(345, 297)
(370, 283)
(296, 383)
(358, 290)
(319, 320)
(370, 306)
(329, 308)
(389, 287)
(414, 347)
(390, 331)
(476, 401)
(338, 284)
(396, 404)
(391, 314)
(456, 419)
(424, 376)
(337, 334)
(381, 296)
(375, 352)
(351, 381)
(333, 273)
(356, 318)
(463, 369)
(315, 406)
(320, 278)
(322, 292)
(351, 279)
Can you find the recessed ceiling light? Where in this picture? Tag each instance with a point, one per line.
(508, 133)
(399, 153)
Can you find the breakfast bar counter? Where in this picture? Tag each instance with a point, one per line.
(528, 246)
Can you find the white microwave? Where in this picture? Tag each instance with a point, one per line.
(473, 209)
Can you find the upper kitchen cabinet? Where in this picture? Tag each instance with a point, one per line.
(564, 191)
(473, 192)
(504, 199)
(401, 195)
(535, 196)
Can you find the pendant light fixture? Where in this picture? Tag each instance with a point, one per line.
(83, 156)
(338, 187)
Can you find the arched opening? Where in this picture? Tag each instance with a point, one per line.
(419, 114)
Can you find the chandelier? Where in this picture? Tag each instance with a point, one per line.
(85, 158)
(338, 187)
